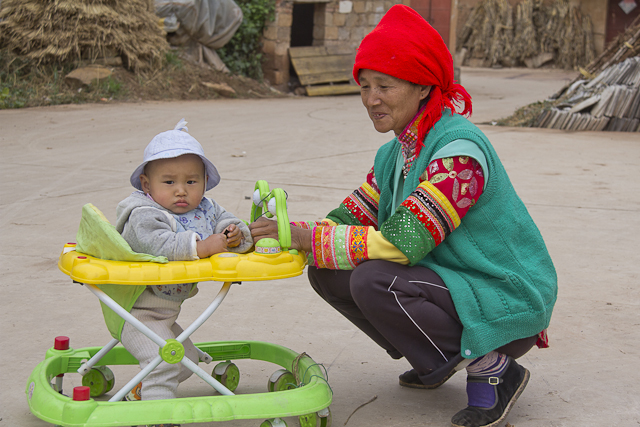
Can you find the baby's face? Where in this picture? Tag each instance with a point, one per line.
(176, 184)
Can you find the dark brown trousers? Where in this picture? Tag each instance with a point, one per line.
(407, 311)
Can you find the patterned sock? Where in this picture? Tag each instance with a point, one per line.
(483, 395)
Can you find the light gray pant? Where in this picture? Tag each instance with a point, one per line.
(160, 316)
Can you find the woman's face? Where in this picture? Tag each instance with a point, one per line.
(390, 102)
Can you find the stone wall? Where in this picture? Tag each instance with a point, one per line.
(338, 25)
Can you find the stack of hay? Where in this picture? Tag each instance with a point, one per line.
(68, 31)
(606, 94)
(542, 32)
(486, 37)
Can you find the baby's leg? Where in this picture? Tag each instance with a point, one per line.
(159, 315)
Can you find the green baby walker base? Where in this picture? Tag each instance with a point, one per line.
(299, 389)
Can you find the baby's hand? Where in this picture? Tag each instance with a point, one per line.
(213, 244)
(234, 236)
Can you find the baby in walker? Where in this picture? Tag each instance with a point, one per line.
(169, 216)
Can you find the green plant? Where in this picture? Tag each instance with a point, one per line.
(24, 83)
(525, 116)
(110, 86)
(172, 59)
(242, 54)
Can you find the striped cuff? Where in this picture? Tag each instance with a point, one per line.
(341, 247)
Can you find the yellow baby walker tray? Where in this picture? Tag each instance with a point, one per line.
(299, 388)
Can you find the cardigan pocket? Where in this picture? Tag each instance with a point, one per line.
(500, 298)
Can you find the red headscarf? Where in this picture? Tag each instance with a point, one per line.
(405, 46)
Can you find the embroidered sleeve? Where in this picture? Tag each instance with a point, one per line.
(460, 179)
(361, 206)
(448, 188)
(349, 235)
(344, 247)
(308, 225)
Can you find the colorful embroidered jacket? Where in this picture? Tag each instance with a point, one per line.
(448, 187)
(494, 260)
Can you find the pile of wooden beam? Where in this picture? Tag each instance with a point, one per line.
(610, 101)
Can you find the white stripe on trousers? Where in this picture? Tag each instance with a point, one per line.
(413, 321)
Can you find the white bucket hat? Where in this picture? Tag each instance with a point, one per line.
(174, 143)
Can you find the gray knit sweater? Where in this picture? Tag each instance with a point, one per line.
(149, 228)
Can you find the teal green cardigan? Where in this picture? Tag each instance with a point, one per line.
(495, 264)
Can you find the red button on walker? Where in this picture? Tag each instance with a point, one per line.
(61, 343)
(81, 393)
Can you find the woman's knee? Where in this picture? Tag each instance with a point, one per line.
(367, 280)
(331, 285)
(316, 279)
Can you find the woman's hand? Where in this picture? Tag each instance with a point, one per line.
(263, 228)
(234, 236)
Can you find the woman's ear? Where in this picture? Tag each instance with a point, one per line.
(144, 183)
(424, 92)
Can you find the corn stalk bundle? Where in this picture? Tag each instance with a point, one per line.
(541, 27)
(575, 40)
(553, 30)
(488, 32)
(526, 40)
(500, 51)
(63, 31)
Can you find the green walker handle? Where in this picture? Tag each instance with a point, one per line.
(284, 229)
(272, 203)
(260, 196)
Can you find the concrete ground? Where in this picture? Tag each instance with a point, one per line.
(580, 187)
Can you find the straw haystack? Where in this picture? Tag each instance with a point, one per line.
(539, 31)
(67, 31)
(488, 32)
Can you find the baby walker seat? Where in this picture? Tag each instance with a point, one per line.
(299, 388)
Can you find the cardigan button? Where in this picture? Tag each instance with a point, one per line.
(467, 352)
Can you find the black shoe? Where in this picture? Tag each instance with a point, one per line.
(411, 379)
(508, 387)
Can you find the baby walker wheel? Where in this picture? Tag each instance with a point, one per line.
(228, 374)
(276, 422)
(317, 419)
(281, 380)
(100, 380)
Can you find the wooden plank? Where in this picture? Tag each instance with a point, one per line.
(305, 51)
(314, 65)
(312, 79)
(342, 89)
(324, 63)
(322, 69)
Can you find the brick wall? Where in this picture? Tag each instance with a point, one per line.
(338, 25)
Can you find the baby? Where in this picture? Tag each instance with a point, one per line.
(170, 216)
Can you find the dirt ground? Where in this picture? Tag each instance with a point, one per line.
(578, 187)
(188, 82)
(24, 83)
